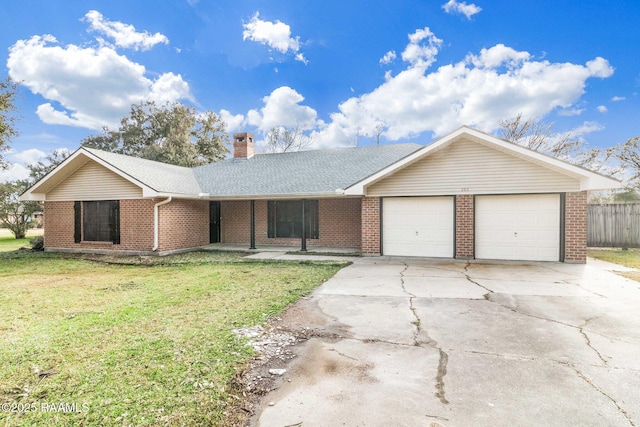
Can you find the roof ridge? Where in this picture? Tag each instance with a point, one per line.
(97, 152)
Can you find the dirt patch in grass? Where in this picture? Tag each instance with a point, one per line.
(136, 341)
(627, 258)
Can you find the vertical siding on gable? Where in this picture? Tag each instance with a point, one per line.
(470, 167)
(94, 182)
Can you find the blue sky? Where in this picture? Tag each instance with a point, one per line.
(415, 70)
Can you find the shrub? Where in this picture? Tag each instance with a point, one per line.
(37, 243)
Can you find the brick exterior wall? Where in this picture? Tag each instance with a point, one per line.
(235, 225)
(183, 224)
(136, 227)
(464, 226)
(370, 226)
(575, 246)
(339, 224)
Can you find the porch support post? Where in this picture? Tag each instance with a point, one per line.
(252, 238)
(304, 229)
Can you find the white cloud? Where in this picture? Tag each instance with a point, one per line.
(19, 161)
(282, 108)
(29, 156)
(418, 53)
(498, 56)
(618, 98)
(87, 87)
(300, 57)
(602, 108)
(276, 35)
(235, 123)
(14, 172)
(584, 129)
(571, 112)
(388, 57)
(462, 8)
(479, 91)
(124, 35)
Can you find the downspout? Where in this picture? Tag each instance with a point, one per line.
(156, 226)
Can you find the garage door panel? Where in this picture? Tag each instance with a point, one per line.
(418, 226)
(518, 227)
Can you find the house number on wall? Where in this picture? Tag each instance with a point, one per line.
(464, 189)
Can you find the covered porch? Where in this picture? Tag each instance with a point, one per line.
(325, 225)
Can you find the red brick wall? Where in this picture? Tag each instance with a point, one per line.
(464, 226)
(370, 226)
(235, 226)
(183, 224)
(339, 224)
(575, 247)
(136, 227)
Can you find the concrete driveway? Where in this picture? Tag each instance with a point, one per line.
(413, 342)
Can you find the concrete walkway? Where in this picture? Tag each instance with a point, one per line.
(285, 256)
(409, 342)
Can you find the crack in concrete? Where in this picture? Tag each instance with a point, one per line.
(442, 371)
(487, 297)
(579, 328)
(416, 323)
(444, 357)
(566, 282)
(437, 417)
(342, 354)
(586, 338)
(599, 390)
(468, 277)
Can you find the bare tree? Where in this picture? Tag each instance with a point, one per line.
(280, 140)
(629, 155)
(539, 136)
(378, 130)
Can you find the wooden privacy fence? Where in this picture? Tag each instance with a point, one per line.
(614, 226)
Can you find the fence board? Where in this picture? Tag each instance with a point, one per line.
(613, 226)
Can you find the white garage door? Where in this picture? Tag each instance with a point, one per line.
(418, 226)
(523, 227)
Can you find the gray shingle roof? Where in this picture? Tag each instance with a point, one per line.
(302, 172)
(287, 174)
(162, 177)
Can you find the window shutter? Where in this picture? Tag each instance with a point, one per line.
(114, 222)
(311, 219)
(271, 220)
(77, 222)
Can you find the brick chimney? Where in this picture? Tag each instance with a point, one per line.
(243, 145)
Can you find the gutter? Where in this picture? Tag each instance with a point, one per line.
(156, 226)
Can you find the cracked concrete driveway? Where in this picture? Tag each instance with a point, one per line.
(412, 342)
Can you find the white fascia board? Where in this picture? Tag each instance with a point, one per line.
(297, 196)
(31, 197)
(599, 182)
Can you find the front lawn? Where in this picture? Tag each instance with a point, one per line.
(145, 344)
(8, 242)
(629, 258)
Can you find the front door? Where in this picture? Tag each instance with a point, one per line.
(214, 222)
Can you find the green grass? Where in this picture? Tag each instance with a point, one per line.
(9, 243)
(138, 340)
(629, 258)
